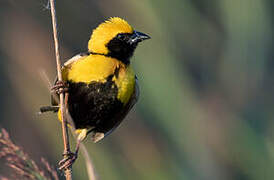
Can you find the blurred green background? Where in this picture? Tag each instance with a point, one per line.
(206, 105)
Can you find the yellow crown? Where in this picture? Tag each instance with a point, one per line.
(107, 31)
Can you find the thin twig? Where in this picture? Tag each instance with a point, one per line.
(88, 161)
(68, 171)
(89, 165)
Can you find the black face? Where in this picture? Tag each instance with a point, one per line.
(124, 44)
(119, 47)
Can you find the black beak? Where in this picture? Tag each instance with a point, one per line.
(138, 37)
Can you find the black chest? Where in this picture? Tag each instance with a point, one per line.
(94, 104)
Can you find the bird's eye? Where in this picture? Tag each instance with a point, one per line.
(120, 36)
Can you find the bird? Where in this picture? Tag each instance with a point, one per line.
(101, 82)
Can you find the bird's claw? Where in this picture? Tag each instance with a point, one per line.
(60, 87)
(67, 161)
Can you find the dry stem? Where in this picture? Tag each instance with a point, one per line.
(63, 105)
(68, 171)
(89, 165)
(21, 164)
(88, 161)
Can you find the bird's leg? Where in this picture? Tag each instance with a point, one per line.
(60, 87)
(69, 158)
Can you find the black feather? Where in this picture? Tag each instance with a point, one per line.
(94, 104)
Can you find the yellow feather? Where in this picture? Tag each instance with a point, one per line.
(125, 84)
(91, 68)
(96, 68)
(105, 32)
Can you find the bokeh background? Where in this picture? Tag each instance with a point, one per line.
(206, 76)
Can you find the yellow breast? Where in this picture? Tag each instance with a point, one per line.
(98, 68)
(90, 68)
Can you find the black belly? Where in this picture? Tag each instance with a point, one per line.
(94, 105)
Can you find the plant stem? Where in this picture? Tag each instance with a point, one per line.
(68, 171)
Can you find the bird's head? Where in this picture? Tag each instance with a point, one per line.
(115, 38)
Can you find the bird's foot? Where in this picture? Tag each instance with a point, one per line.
(68, 160)
(60, 87)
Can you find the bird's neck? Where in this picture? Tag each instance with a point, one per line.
(122, 57)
